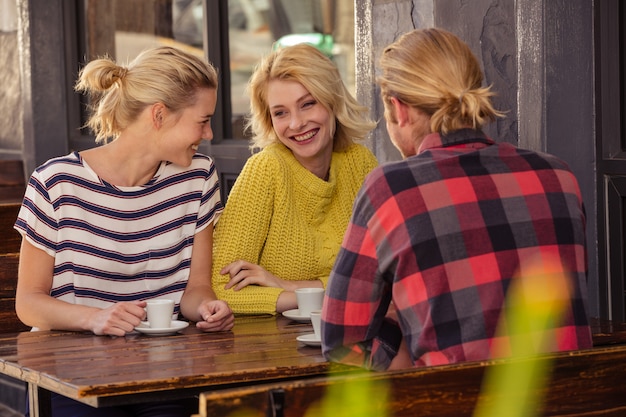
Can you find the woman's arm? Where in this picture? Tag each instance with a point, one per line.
(241, 232)
(35, 307)
(199, 302)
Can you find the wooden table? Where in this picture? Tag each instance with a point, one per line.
(580, 383)
(106, 371)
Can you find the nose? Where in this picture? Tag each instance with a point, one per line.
(207, 132)
(296, 122)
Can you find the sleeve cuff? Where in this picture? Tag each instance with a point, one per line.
(388, 343)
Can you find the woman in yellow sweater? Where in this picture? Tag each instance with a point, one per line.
(287, 212)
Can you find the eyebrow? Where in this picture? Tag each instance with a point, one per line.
(301, 99)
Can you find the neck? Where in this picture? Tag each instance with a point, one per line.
(318, 165)
(122, 166)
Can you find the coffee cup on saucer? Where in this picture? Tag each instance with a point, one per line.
(309, 299)
(160, 312)
(316, 321)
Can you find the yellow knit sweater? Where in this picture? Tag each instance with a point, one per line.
(281, 216)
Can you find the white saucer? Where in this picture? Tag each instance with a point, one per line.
(296, 316)
(177, 326)
(309, 339)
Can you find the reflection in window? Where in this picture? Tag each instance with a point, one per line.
(121, 29)
(256, 26)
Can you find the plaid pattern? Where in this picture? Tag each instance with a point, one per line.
(439, 236)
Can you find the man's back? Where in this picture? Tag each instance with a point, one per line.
(461, 220)
(447, 231)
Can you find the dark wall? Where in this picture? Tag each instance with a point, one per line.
(538, 55)
(488, 26)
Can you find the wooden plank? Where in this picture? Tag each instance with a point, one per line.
(11, 173)
(12, 182)
(106, 371)
(8, 285)
(103, 371)
(585, 382)
(11, 194)
(9, 263)
(9, 323)
(10, 239)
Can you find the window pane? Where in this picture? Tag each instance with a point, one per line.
(255, 26)
(121, 28)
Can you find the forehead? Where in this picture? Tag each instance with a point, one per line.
(204, 100)
(282, 92)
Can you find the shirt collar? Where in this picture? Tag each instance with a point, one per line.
(456, 138)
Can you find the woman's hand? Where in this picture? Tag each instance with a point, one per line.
(118, 319)
(244, 273)
(216, 315)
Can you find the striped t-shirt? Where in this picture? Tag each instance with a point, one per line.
(111, 243)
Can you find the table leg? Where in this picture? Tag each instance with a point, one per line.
(39, 401)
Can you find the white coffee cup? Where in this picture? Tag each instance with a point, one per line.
(160, 313)
(316, 321)
(309, 299)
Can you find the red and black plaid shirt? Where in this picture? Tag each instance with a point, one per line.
(442, 234)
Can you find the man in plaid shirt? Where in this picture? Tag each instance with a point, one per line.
(436, 239)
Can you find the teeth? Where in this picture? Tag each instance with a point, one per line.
(306, 136)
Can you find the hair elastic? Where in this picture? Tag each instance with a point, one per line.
(465, 91)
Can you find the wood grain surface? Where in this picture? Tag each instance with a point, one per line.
(102, 370)
(582, 383)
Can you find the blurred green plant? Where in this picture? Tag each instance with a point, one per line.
(535, 304)
(364, 397)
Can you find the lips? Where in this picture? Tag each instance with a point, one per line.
(306, 136)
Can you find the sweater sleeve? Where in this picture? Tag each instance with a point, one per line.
(241, 233)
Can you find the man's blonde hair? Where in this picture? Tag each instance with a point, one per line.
(436, 72)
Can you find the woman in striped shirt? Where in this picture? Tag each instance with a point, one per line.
(107, 228)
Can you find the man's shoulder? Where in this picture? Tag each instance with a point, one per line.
(389, 172)
(534, 159)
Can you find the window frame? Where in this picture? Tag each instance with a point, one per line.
(215, 35)
(217, 50)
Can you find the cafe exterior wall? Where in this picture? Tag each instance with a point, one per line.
(488, 26)
(537, 54)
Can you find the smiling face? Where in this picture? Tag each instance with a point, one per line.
(302, 124)
(184, 132)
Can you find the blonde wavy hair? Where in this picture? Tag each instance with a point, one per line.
(118, 94)
(305, 64)
(436, 72)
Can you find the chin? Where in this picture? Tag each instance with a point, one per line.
(182, 162)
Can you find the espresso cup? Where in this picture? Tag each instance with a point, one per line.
(309, 299)
(160, 313)
(316, 321)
